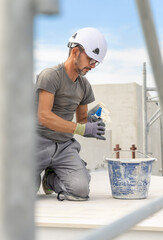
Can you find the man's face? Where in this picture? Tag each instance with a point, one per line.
(84, 63)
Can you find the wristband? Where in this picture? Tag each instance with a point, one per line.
(80, 129)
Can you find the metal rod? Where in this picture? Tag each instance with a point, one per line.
(125, 223)
(154, 120)
(154, 101)
(161, 126)
(144, 111)
(151, 89)
(133, 148)
(117, 149)
(150, 35)
(153, 98)
(154, 115)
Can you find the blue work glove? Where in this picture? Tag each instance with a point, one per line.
(91, 130)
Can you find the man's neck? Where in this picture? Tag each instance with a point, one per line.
(70, 70)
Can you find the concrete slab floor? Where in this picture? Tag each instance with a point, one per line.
(99, 210)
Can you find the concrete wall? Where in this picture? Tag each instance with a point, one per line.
(121, 99)
(125, 104)
(94, 151)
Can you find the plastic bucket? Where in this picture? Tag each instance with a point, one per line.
(130, 178)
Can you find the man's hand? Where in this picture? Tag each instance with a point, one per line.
(91, 130)
(95, 130)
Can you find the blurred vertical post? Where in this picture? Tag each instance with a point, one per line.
(152, 44)
(144, 106)
(17, 123)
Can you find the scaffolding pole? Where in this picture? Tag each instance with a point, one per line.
(148, 122)
(152, 44)
(153, 48)
(17, 124)
(161, 125)
(144, 114)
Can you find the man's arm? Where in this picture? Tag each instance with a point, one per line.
(82, 114)
(50, 120)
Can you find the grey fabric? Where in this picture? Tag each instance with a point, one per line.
(70, 175)
(95, 130)
(68, 96)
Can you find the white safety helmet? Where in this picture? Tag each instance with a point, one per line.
(92, 41)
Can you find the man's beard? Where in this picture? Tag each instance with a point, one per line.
(80, 71)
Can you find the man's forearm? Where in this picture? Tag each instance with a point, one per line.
(82, 120)
(56, 123)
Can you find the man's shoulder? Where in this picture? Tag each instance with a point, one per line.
(49, 78)
(52, 70)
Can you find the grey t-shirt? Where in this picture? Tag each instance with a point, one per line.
(68, 96)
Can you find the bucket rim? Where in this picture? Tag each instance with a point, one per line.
(130, 160)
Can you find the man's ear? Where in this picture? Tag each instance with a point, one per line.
(74, 51)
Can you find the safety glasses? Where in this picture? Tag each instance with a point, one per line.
(91, 60)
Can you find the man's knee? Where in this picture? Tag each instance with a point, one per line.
(80, 187)
(78, 192)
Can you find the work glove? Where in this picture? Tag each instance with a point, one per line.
(91, 130)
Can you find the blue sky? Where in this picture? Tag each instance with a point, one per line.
(119, 22)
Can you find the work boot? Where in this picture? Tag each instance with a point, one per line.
(46, 189)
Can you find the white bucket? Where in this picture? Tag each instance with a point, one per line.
(130, 178)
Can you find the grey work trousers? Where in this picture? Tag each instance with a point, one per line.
(70, 174)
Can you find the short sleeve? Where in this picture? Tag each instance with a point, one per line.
(48, 80)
